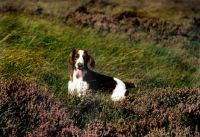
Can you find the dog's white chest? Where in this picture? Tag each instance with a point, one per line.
(77, 86)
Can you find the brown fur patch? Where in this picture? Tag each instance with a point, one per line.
(127, 92)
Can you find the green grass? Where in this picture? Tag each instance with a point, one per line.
(37, 50)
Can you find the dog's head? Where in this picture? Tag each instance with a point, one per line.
(79, 59)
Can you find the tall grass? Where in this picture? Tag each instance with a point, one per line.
(36, 49)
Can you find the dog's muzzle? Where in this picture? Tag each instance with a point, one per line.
(80, 66)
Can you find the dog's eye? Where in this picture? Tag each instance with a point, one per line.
(76, 56)
(84, 58)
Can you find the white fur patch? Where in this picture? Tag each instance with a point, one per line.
(78, 85)
(80, 59)
(119, 91)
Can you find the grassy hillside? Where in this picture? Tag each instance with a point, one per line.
(152, 49)
(36, 49)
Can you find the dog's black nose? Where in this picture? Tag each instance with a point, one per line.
(80, 65)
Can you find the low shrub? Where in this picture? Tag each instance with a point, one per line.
(24, 111)
(162, 112)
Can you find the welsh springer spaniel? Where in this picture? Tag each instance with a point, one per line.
(83, 79)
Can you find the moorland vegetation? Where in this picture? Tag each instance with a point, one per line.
(155, 45)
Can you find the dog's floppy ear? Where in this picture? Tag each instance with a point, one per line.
(91, 61)
(71, 57)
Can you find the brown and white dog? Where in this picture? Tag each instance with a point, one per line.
(83, 79)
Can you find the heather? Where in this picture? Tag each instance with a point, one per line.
(25, 111)
(161, 112)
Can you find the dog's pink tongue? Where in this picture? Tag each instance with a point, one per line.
(78, 73)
